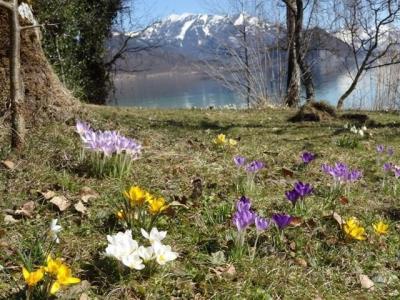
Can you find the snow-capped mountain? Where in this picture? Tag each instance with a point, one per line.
(199, 37)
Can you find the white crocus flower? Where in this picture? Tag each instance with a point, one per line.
(146, 253)
(163, 253)
(353, 129)
(54, 230)
(154, 236)
(361, 133)
(364, 128)
(121, 245)
(133, 261)
(346, 126)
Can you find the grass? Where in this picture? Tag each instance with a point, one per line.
(314, 260)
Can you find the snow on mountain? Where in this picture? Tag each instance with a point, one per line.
(187, 38)
(197, 35)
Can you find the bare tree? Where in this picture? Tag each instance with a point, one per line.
(297, 47)
(16, 84)
(247, 63)
(365, 25)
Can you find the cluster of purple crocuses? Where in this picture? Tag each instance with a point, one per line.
(251, 167)
(107, 142)
(389, 167)
(342, 173)
(299, 191)
(244, 217)
(381, 149)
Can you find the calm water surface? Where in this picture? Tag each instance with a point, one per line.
(191, 90)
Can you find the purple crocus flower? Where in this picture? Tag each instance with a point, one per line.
(243, 219)
(254, 166)
(390, 151)
(82, 127)
(239, 160)
(388, 167)
(307, 157)
(244, 216)
(303, 189)
(243, 204)
(341, 172)
(354, 175)
(292, 196)
(380, 148)
(261, 223)
(282, 220)
(107, 142)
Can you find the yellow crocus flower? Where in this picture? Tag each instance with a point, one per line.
(232, 142)
(352, 228)
(53, 265)
(157, 205)
(32, 278)
(381, 227)
(220, 139)
(136, 195)
(64, 278)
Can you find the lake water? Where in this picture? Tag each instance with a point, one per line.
(172, 90)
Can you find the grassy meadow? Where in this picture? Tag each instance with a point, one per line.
(310, 259)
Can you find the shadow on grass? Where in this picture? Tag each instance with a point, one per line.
(103, 272)
(393, 213)
(206, 124)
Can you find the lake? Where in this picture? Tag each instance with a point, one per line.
(173, 90)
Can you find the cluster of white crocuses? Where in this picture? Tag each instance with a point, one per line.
(127, 250)
(361, 131)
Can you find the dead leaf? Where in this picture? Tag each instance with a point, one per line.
(366, 283)
(86, 193)
(61, 202)
(26, 209)
(79, 207)
(287, 172)
(8, 164)
(78, 290)
(9, 220)
(301, 262)
(344, 200)
(182, 200)
(229, 271)
(296, 221)
(48, 194)
(338, 218)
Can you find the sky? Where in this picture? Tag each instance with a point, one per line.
(158, 9)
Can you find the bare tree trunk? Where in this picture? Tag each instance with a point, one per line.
(247, 64)
(306, 75)
(348, 91)
(293, 79)
(16, 89)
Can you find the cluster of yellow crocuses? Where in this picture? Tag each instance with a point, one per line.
(221, 140)
(57, 271)
(354, 230)
(138, 197)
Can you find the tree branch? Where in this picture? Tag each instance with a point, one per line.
(6, 5)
